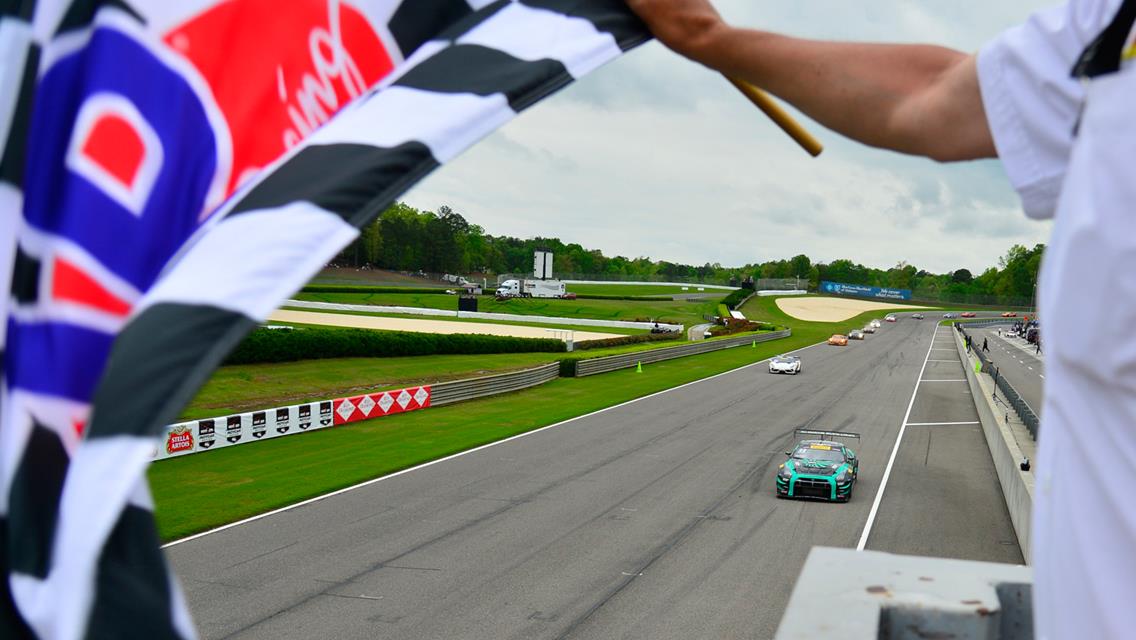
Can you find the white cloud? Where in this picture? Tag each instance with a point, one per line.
(656, 156)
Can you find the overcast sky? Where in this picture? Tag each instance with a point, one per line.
(656, 156)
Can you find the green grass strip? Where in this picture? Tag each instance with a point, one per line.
(207, 490)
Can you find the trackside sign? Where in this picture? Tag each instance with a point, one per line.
(863, 291)
(215, 433)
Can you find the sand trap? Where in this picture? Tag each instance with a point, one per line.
(821, 309)
(431, 326)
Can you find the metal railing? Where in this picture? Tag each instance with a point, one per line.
(604, 364)
(458, 390)
(1010, 395)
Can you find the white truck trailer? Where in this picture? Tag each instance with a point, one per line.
(532, 288)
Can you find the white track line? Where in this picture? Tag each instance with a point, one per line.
(933, 424)
(461, 453)
(959, 380)
(891, 461)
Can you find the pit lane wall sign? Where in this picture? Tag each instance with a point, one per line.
(863, 291)
(195, 436)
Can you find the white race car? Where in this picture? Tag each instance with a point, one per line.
(871, 328)
(785, 364)
(876, 323)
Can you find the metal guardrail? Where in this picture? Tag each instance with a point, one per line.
(1012, 397)
(604, 364)
(458, 390)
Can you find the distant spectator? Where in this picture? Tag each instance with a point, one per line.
(985, 348)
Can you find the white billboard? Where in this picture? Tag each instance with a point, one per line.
(542, 264)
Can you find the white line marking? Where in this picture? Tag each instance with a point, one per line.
(1041, 376)
(931, 424)
(942, 381)
(462, 453)
(891, 461)
(1029, 367)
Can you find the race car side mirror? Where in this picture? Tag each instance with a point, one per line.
(1025, 465)
(788, 453)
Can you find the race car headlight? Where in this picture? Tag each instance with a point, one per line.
(842, 476)
(785, 472)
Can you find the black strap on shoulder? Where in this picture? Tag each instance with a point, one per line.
(1103, 55)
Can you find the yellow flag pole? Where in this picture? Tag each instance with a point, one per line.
(765, 102)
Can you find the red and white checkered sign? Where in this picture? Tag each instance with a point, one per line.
(376, 405)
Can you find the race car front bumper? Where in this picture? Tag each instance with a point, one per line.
(817, 487)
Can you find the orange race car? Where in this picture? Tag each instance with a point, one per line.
(1009, 314)
(968, 314)
(839, 340)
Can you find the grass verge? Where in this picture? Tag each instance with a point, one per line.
(237, 388)
(199, 492)
(673, 311)
(764, 308)
(410, 316)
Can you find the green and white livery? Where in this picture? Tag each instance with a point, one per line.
(819, 467)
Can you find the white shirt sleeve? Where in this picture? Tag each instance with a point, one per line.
(1032, 101)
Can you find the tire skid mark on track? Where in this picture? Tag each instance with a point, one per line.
(665, 546)
(483, 518)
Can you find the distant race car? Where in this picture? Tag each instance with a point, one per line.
(968, 314)
(819, 467)
(839, 340)
(891, 318)
(918, 316)
(949, 315)
(785, 364)
(876, 323)
(855, 334)
(1009, 314)
(870, 328)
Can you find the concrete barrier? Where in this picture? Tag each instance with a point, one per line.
(1017, 485)
(868, 595)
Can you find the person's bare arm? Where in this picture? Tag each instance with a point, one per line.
(916, 99)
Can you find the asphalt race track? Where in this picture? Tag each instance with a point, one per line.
(655, 519)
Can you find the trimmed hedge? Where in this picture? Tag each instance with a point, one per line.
(622, 340)
(275, 345)
(735, 298)
(348, 288)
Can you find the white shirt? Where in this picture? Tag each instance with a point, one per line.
(1084, 519)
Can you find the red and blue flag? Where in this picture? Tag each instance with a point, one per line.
(170, 172)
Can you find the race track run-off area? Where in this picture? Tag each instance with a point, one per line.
(652, 519)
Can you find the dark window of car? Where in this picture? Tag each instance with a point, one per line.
(810, 452)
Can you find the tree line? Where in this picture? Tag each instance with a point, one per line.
(404, 238)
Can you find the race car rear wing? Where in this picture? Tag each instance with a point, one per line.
(797, 433)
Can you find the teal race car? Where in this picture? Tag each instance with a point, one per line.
(819, 467)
